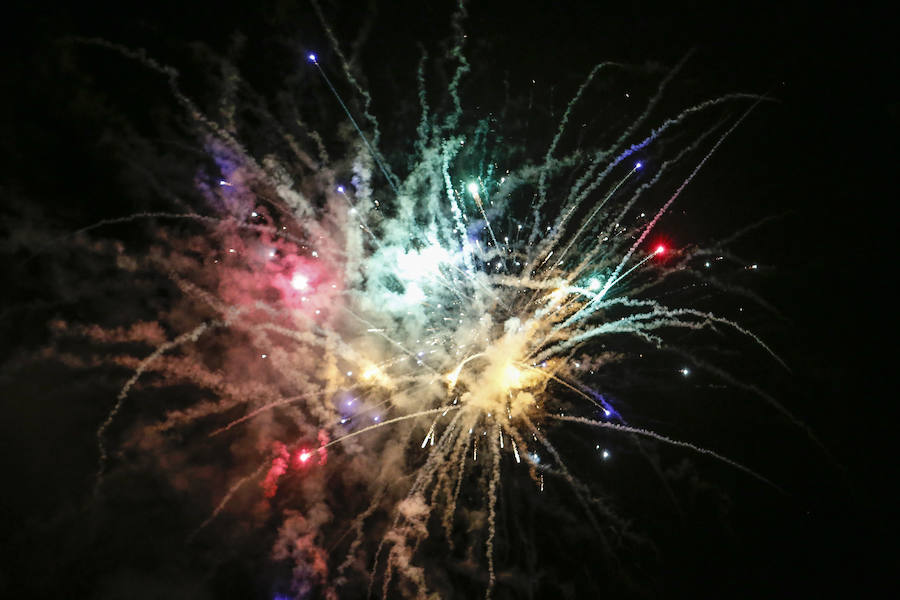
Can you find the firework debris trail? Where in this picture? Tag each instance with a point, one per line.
(365, 319)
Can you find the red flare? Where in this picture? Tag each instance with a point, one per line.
(302, 457)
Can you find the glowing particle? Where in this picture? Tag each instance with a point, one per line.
(254, 214)
(638, 165)
(556, 296)
(304, 456)
(300, 282)
(340, 189)
(371, 372)
(312, 58)
(430, 434)
(512, 377)
(605, 454)
(594, 284)
(263, 355)
(685, 371)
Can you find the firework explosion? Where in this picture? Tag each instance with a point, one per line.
(404, 339)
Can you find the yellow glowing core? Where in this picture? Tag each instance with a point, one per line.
(512, 377)
(371, 373)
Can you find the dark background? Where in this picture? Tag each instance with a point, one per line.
(823, 158)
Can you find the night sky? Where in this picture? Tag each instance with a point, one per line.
(86, 135)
